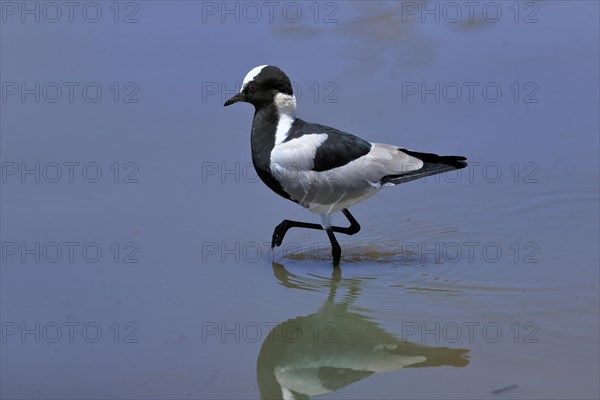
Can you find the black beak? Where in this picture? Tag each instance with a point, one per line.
(238, 97)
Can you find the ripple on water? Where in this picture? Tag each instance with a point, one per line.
(382, 282)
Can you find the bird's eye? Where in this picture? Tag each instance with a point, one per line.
(252, 87)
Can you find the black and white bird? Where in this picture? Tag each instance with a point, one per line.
(321, 168)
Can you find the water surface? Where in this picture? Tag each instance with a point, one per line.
(155, 279)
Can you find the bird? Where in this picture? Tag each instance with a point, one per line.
(321, 168)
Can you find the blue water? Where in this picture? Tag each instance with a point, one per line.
(135, 235)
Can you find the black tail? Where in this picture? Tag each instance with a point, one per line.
(432, 165)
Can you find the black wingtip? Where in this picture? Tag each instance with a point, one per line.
(457, 162)
(432, 165)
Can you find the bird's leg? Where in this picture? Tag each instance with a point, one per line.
(286, 224)
(336, 250)
(282, 228)
(354, 225)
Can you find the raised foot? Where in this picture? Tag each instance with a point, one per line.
(279, 233)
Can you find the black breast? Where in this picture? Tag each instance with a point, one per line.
(262, 141)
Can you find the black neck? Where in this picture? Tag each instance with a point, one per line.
(262, 138)
(262, 141)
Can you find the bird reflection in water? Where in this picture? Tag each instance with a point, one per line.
(335, 346)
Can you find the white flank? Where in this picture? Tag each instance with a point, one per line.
(286, 108)
(251, 75)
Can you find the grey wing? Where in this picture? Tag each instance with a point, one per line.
(293, 165)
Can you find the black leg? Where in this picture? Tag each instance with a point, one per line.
(336, 250)
(354, 225)
(285, 225)
(282, 228)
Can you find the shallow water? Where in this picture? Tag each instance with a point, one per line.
(155, 279)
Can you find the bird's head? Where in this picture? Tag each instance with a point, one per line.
(263, 85)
